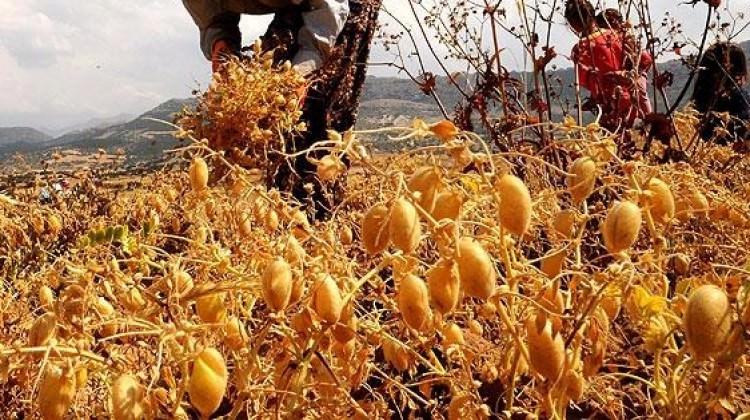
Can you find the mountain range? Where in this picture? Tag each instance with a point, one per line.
(100, 122)
(385, 101)
(10, 136)
(142, 138)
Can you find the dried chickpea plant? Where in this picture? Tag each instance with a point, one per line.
(249, 111)
(453, 281)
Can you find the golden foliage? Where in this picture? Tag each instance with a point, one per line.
(220, 298)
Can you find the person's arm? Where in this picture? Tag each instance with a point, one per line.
(215, 24)
(581, 56)
(322, 25)
(646, 61)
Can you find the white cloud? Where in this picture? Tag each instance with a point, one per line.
(66, 61)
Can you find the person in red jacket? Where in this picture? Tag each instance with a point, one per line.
(605, 68)
(634, 57)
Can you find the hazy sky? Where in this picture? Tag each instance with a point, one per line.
(63, 62)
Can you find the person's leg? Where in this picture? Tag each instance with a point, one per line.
(281, 35)
(281, 38)
(297, 175)
(643, 99)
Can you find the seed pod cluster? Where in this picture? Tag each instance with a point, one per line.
(327, 300)
(515, 204)
(476, 269)
(426, 182)
(198, 174)
(546, 348)
(404, 228)
(57, 390)
(414, 302)
(621, 227)
(444, 285)
(662, 201)
(707, 321)
(208, 381)
(277, 285)
(375, 226)
(145, 301)
(581, 179)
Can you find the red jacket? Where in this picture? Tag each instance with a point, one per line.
(598, 57)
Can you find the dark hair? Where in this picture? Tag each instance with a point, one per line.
(610, 19)
(579, 14)
(721, 67)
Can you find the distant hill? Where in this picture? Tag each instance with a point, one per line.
(142, 138)
(91, 123)
(384, 112)
(385, 101)
(15, 135)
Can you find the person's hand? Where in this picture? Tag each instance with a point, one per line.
(305, 62)
(618, 77)
(302, 94)
(305, 68)
(220, 53)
